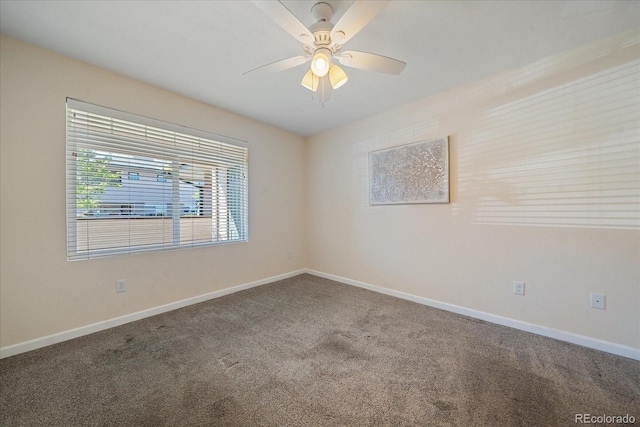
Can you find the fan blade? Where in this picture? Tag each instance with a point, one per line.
(282, 65)
(356, 17)
(371, 61)
(287, 20)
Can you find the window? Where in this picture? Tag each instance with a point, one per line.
(136, 184)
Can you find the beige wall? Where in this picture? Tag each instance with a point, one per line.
(545, 178)
(545, 170)
(41, 292)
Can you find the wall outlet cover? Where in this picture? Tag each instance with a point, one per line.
(597, 301)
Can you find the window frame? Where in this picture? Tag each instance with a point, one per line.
(236, 192)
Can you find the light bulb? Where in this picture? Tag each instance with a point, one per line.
(320, 62)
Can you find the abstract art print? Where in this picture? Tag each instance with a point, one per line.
(412, 173)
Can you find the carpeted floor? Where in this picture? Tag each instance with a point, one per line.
(308, 351)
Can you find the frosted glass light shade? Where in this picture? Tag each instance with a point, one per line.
(337, 76)
(310, 81)
(320, 64)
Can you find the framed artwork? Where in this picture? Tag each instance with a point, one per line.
(412, 173)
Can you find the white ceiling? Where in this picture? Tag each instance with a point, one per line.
(201, 48)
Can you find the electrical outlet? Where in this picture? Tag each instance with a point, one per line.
(290, 255)
(518, 288)
(121, 285)
(598, 300)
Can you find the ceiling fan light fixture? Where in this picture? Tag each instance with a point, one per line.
(337, 77)
(323, 41)
(310, 81)
(321, 62)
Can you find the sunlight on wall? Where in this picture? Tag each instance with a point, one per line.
(554, 143)
(567, 156)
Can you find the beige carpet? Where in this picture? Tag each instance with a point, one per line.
(308, 351)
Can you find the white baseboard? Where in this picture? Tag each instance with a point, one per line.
(609, 347)
(110, 323)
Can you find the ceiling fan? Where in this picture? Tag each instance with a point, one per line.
(322, 44)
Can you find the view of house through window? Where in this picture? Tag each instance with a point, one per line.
(134, 187)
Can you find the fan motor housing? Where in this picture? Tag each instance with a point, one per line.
(321, 13)
(322, 37)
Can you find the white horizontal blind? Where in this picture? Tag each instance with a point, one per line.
(137, 184)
